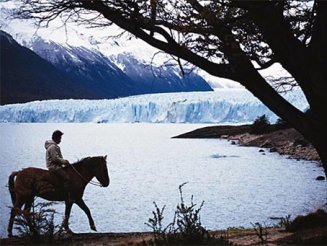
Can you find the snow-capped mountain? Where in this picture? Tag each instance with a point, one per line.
(132, 55)
(90, 68)
(24, 76)
(102, 75)
(93, 72)
(160, 79)
(223, 106)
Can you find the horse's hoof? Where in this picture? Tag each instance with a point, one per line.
(93, 228)
(10, 235)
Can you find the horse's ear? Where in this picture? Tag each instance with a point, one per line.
(105, 157)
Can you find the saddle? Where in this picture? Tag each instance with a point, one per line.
(50, 181)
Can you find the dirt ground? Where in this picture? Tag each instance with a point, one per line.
(272, 236)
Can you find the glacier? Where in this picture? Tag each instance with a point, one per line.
(220, 106)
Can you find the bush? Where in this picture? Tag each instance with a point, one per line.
(156, 224)
(261, 232)
(38, 224)
(260, 125)
(186, 228)
(316, 219)
(282, 124)
(285, 222)
(302, 228)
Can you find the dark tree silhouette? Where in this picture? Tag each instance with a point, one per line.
(225, 38)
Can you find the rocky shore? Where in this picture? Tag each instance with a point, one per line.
(284, 141)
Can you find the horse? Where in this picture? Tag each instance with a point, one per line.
(31, 182)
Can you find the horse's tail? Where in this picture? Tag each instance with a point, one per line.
(11, 186)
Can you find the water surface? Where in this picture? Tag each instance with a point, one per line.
(239, 185)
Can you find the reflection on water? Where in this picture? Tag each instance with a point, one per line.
(222, 156)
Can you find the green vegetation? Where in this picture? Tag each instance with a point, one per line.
(261, 125)
(186, 228)
(281, 124)
(285, 222)
(316, 219)
(37, 224)
(261, 232)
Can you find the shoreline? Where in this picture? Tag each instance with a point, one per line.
(310, 235)
(286, 141)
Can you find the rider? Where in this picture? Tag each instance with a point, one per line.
(55, 161)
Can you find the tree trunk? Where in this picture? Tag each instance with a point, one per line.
(311, 126)
(321, 148)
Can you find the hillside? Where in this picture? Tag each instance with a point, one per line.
(26, 77)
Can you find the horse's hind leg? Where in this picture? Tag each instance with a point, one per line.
(27, 214)
(14, 211)
(83, 206)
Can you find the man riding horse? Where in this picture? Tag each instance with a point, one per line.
(55, 161)
(26, 184)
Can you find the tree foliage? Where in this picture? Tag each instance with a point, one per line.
(260, 125)
(226, 38)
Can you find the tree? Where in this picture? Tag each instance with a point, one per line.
(260, 125)
(225, 38)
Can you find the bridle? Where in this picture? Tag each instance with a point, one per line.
(91, 182)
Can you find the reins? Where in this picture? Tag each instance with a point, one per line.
(91, 182)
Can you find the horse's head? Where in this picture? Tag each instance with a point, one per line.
(101, 170)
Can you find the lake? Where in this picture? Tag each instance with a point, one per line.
(239, 185)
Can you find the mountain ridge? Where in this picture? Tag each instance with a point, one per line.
(86, 74)
(26, 77)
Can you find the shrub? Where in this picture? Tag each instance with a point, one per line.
(285, 222)
(315, 219)
(187, 222)
(282, 124)
(260, 125)
(186, 228)
(261, 232)
(156, 224)
(38, 224)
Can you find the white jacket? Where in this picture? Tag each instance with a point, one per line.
(53, 155)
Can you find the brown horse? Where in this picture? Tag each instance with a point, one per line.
(32, 182)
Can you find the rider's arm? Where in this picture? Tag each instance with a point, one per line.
(55, 155)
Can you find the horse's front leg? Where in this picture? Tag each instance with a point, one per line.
(83, 206)
(65, 223)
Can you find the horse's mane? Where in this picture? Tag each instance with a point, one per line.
(83, 161)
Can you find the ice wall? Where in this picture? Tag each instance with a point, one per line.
(222, 106)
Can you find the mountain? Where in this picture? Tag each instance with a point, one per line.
(26, 77)
(156, 79)
(223, 106)
(54, 71)
(115, 76)
(109, 48)
(90, 68)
